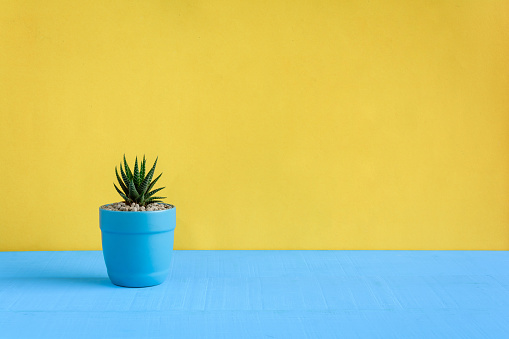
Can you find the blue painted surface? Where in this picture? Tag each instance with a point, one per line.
(137, 246)
(261, 294)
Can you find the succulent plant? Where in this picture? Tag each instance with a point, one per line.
(136, 186)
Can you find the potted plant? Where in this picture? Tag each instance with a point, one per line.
(137, 233)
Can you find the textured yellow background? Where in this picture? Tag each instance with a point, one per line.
(278, 124)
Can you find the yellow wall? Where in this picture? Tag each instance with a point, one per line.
(278, 124)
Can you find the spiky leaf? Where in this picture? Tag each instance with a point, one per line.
(122, 185)
(148, 178)
(136, 174)
(122, 194)
(127, 170)
(156, 198)
(124, 176)
(148, 195)
(153, 182)
(142, 170)
(133, 194)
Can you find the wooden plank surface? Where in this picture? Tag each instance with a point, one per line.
(261, 294)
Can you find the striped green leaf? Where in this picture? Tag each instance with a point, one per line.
(148, 178)
(153, 182)
(127, 170)
(133, 194)
(148, 195)
(122, 185)
(142, 170)
(136, 174)
(155, 198)
(124, 176)
(126, 199)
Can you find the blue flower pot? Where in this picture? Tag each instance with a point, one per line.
(137, 246)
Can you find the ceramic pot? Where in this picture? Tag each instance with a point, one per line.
(137, 246)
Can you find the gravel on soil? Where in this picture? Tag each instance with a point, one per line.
(122, 206)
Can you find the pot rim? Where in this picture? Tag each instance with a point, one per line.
(101, 208)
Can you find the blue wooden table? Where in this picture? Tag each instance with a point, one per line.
(261, 294)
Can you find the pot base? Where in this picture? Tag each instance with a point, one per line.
(136, 281)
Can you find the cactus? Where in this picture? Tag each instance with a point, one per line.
(135, 186)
